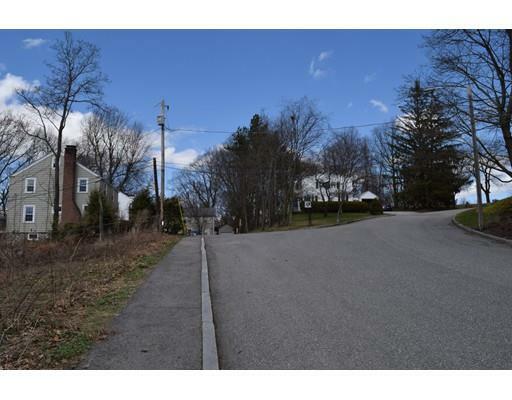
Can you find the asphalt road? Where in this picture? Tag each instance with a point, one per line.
(401, 292)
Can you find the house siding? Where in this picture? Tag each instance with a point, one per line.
(42, 199)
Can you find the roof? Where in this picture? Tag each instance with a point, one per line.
(200, 212)
(31, 165)
(44, 158)
(368, 196)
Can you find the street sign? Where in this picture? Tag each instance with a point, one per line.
(307, 204)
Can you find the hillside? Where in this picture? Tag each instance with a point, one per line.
(497, 218)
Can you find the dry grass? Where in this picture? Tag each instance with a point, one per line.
(56, 297)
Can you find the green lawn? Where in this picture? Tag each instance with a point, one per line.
(318, 219)
(493, 213)
(497, 218)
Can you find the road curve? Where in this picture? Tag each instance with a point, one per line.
(397, 292)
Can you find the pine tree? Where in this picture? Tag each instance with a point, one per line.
(428, 153)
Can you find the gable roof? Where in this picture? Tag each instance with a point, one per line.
(31, 165)
(368, 195)
(44, 158)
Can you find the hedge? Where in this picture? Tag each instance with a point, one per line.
(332, 206)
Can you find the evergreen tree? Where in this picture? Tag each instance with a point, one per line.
(92, 214)
(143, 208)
(173, 222)
(428, 153)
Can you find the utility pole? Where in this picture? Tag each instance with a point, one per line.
(161, 122)
(100, 222)
(155, 181)
(476, 161)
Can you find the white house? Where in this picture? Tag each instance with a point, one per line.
(323, 188)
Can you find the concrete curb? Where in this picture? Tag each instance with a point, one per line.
(485, 235)
(210, 356)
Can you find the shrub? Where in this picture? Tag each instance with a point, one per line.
(375, 207)
(332, 206)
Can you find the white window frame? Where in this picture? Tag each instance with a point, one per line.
(25, 214)
(32, 233)
(26, 184)
(86, 185)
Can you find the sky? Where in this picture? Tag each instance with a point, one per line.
(217, 79)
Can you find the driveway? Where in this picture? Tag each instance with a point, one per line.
(404, 291)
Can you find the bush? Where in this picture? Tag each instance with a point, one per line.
(332, 206)
(375, 207)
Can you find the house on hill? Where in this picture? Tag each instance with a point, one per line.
(368, 197)
(200, 220)
(30, 200)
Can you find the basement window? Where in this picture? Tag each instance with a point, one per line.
(32, 236)
(83, 185)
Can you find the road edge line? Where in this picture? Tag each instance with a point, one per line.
(210, 355)
(476, 232)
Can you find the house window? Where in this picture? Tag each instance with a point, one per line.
(83, 185)
(29, 214)
(32, 236)
(84, 208)
(30, 185)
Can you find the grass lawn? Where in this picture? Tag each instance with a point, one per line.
(318, 219)
(497, 218)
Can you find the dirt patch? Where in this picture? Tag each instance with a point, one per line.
(502, 228)
(57, 297)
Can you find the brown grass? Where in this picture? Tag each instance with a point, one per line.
(57, 297)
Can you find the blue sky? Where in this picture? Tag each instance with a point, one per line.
(217, 80)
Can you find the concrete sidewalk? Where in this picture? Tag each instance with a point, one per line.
(160, 328)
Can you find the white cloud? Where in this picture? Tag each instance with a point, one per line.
(498, 191)
(8, 86)
(30, 43)
(324, 55)
(317, 68)
(380, 105)
(370, 77)
(172, 156)
(9, 102)
(181, 158)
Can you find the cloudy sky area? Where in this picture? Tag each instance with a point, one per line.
(217, 80)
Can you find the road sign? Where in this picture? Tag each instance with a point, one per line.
(307, 204)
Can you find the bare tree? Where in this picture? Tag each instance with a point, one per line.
(482, 59)
(16, 151)
(300, 127)
(387, 158)
(115, 149)
(343, 158)
(74, 79)
(199, 184)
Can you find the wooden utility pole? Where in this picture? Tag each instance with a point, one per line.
(155, 181)
(100, 199)
(161, 122)
(476, 161)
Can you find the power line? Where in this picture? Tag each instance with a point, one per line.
(189, 130)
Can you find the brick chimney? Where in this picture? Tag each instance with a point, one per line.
(70, 211)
